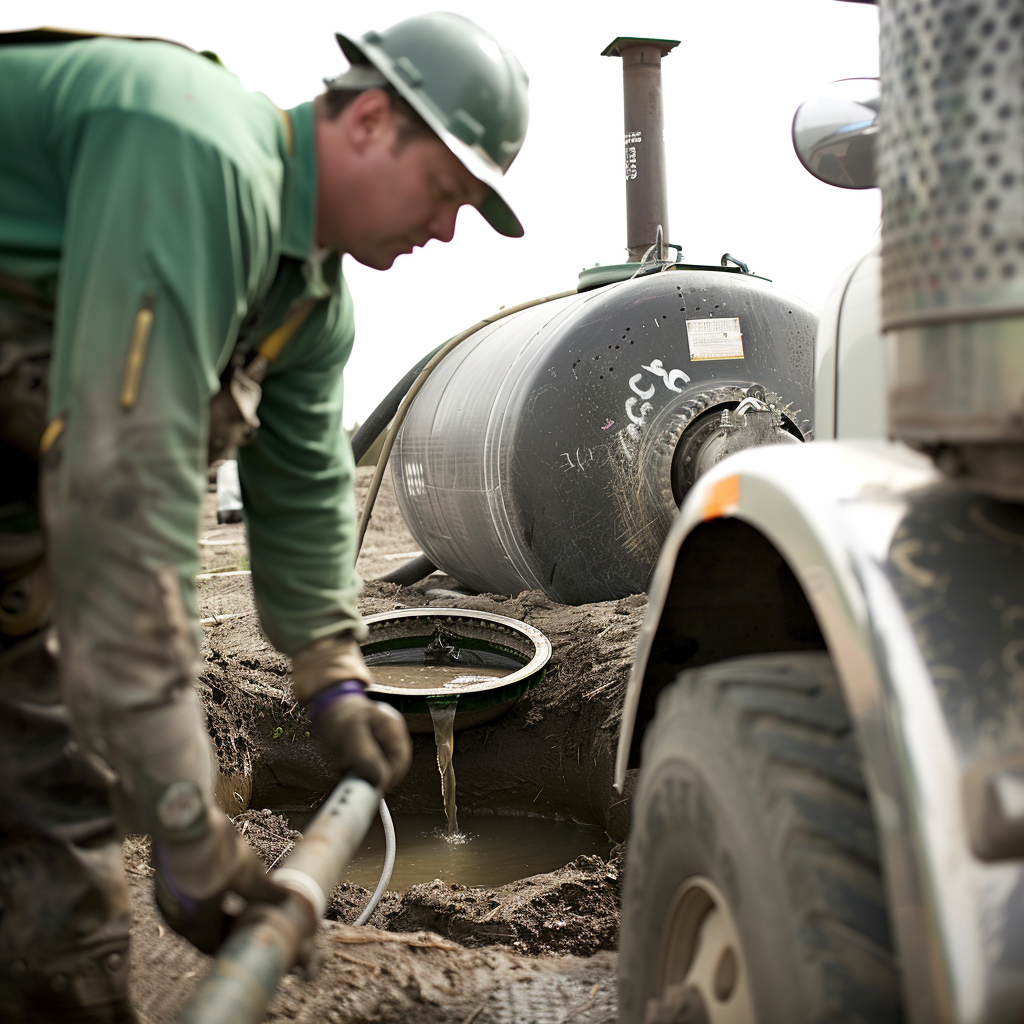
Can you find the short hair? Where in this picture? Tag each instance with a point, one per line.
(410, 124)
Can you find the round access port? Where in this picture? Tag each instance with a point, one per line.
(430, 656)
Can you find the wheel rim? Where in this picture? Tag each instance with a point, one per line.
(702, 975)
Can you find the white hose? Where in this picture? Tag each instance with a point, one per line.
(389, 864)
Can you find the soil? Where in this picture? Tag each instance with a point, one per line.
(539, 949)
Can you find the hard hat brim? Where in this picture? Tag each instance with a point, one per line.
(493, 209)
(499, 215)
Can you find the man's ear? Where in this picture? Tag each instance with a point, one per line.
(369, 120)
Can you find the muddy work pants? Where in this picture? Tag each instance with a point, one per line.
(63, 894)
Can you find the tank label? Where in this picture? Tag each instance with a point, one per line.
(715, 338)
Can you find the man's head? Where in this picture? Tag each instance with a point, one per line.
(428, 118)
(386, 183)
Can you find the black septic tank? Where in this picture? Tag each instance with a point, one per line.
(551, 449)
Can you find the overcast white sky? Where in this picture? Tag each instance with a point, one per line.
(731, 88)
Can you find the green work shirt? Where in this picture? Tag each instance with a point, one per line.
(139, 174)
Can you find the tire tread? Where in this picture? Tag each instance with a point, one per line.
(792, 740)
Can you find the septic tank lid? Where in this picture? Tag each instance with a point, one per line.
(413, 630)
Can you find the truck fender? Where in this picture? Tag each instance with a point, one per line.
(915, 587)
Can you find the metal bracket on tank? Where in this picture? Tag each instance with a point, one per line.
(652, 263)
(728, 258)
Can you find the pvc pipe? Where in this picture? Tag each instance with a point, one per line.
(269, 939)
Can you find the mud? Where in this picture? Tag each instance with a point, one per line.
(538, 949)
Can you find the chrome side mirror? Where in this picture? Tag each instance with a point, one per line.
(834, 133)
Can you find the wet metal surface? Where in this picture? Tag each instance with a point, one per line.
(490, 851)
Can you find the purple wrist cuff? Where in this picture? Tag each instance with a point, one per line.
(186, 904)
(325, 698)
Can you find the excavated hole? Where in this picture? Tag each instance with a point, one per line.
(499, 957)
(540, 873)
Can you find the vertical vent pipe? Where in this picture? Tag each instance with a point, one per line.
(644, 123)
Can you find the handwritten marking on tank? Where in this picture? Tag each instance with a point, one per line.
(638, 420)
(1013, 658)
(715, 338)
(668, 376)
(902, 556)
(1015, 613)
(646, 393)
(582, 460)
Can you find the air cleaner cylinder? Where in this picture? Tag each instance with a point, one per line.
(951, 169)
(644, 123)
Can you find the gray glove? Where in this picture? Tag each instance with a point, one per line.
(365, 736)
(195, 872)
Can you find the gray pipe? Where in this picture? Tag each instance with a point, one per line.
(644, 123)
(269, 939)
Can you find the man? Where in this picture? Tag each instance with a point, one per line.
(170, 274)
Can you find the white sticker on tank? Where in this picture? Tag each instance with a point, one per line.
(715, 338)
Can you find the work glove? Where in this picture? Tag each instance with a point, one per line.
(194, 873)
(365, 736)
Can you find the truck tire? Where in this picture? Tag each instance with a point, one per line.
(753, 888)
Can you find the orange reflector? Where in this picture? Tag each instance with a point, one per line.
(722, 498)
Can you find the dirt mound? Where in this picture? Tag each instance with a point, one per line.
(573, 910)
(369, 975)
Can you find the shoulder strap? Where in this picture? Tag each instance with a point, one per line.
(47, 34)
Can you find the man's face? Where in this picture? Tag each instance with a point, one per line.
(378, 197)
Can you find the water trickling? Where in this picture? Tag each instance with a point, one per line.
(442, 713)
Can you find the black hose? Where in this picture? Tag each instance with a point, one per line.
(412, 572)
(362, 441)
(378, 420)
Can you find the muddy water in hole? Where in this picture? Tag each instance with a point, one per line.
(434, 677)
(443, 717)
(494, 850)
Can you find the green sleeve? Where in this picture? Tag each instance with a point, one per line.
(155, 217)
(297, 481)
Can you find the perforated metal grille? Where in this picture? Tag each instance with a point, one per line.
(951, 159)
